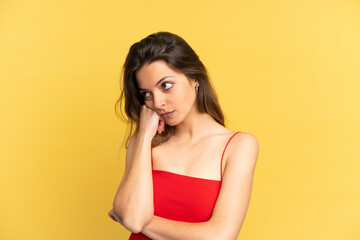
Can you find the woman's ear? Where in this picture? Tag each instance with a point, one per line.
(195, 83)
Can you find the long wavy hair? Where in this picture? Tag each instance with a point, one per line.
(177, 53)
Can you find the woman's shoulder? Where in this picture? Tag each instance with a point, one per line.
(237, 139)
(244, 146)
(237, 134)
(244, 136)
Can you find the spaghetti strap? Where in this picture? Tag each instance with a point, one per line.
(222, 156)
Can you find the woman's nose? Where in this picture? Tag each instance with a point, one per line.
(159, 100)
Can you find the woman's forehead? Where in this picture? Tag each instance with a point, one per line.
(150, 74)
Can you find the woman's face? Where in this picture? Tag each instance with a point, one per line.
(165, 90)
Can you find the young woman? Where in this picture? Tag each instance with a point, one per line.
(186, 175)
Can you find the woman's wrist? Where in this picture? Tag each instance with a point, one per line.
(144, 137)
(147, 228)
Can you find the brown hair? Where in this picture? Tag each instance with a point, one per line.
(177, 53)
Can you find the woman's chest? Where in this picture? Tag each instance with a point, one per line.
(184, 198)
(202, 160)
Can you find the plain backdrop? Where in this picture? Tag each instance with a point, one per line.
(286, 71)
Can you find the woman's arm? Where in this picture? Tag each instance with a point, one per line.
(232, 203)
(133, 203)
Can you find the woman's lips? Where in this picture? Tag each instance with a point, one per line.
(168, 114)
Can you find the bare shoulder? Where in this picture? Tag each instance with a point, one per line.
(245, 138)
(243, 150)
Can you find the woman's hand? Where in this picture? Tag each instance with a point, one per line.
(150, 121)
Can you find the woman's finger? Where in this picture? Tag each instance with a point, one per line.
(161, 126)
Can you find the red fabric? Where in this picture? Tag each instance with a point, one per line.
(183, 198)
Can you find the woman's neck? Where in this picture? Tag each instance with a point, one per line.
(194, 127)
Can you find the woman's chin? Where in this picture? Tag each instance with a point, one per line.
(171, 123)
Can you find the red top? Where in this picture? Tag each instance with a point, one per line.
(183, 198)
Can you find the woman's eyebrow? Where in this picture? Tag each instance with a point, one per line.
(158, 82)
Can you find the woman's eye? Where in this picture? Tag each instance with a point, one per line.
(167, 85)
(145, 94)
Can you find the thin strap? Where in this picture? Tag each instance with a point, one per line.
(224, 153)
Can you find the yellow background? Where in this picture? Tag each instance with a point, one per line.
(286, 71)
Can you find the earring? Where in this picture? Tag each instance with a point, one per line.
(197, 89)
